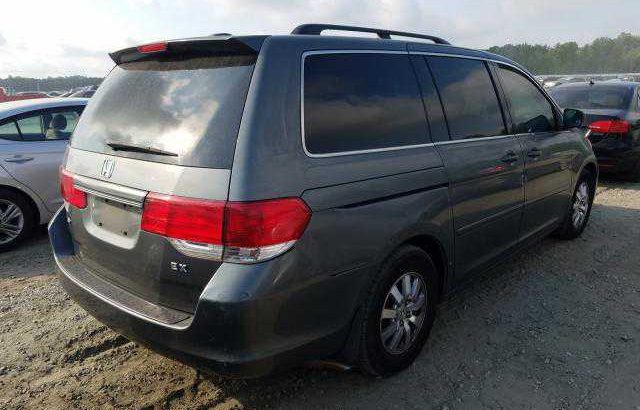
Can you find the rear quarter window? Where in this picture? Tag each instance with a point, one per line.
(361, 101)
(9, 131)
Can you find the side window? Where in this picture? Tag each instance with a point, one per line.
(355, 102)
(31, 128)
(60, 125)
(468, 97)
(530, 110)
(51, 125)
(437, 123)
(9, 131)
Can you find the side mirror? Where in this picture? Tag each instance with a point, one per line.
(572, 118)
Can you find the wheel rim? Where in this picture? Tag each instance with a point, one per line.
(11, 221)
(580, 205)
(403, 313)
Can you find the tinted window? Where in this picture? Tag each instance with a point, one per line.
(9, 131)
(593, 96)
(191, 107)
(530, 110)
(437, 123)
(469, 98)
(358, 102)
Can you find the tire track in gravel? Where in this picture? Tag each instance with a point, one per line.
(95, 349)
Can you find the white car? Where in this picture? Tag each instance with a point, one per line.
(33, 137)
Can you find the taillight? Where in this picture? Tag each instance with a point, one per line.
(71, 194)
(610, 127)
(241, 232)
(260, 230)
(183, 218)
(152, 47)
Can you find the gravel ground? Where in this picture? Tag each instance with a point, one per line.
(555, 327)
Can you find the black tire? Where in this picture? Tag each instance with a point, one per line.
(569, 229)
(373, 357)
(8, 197)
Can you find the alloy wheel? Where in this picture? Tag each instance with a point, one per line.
(11, 221)
(403, 313)
(580, 205)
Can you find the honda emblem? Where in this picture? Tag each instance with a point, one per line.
(107, 168)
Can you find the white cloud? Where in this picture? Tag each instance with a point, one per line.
(69, 37)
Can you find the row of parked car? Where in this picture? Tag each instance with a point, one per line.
(244, 203)
(80, 92)
(550, 81)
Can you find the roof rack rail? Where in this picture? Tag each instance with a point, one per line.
(317, 29)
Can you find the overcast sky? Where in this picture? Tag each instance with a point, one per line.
(65, 37)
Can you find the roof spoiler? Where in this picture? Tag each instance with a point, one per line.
(224, 44)
(317, 29)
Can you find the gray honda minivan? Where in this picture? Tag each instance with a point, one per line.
(244, 204)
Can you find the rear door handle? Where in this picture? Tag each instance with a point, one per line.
(510, 158)
(534, 153)
(18, 159)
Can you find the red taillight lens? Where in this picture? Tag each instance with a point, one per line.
(265, 223)
(183, 218)
(610, 127)
(243, 232)
(153, 47)
(71, 194)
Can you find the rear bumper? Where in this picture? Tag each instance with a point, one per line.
(618, 160)
(245, 325)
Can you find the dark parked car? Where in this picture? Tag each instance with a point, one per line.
(612, 114)
(83, 94)
(244, 204)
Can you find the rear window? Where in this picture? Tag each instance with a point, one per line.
(191, 108)
(357, 102)
(593, 97)
(468, 96)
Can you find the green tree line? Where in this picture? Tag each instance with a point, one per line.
(603, 55)
(17, 84)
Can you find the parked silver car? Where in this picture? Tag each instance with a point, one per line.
(33, 137)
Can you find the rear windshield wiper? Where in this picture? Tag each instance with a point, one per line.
(117, 146)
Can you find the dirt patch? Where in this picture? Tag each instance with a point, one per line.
(555, 327)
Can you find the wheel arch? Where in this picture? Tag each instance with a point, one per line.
(429, 243)
(592, 167)
(32, 203)
(435, 249)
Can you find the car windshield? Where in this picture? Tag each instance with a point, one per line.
(593, 97)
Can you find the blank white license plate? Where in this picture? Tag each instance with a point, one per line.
(115, 217)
